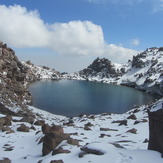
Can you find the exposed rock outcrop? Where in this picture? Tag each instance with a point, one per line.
(12, 77)
(53, 137)
(144, 71)
(40, 72)
(102, 68)
(156, 130)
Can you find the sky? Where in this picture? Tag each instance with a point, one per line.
(69, 34)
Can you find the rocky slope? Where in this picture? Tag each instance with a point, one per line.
(13, 94)
(14, 77)
(40, 72)
(144, 71)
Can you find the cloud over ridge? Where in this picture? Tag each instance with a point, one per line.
(23, 28)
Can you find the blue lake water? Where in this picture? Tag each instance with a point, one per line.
(72, 97)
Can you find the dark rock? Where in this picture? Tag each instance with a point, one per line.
(133, 117)
(73, 141)
(23, 128)
(103, 135)
(133, 131)
(82, 115)
(45, 128)
(121, 122)
(41, 140)
(87, 128)
(40, 161)
(56, 128)
(105, 114)
(6, 111)
(91, 117)
(1, 126)
(10, 132)
(103, 66)
(5, 120)
(69, 123)
(56, 161)
(5, 160)
(27, 119)
(75, 133)
(81, 154)
(156, 130)
(137, 122)
(89, 124)
(60, 150)
(6, 129)
(13, 91)
(52, 139)
(39, 122)
(91, 151)
(146, 141)
(33, 128)
(107, 129)
(117, 145)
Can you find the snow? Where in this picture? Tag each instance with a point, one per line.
(157, 106)
(145, 75)
(118, 146)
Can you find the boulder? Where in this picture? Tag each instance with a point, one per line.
(56, 128)
(103, 135)
(132, 116)
(6, 121)
(23, 128)
(56, 161)
(87, 128)
(5, 160)
(52, 139)
(156, 130)
(121, 122)
(4, 129)
(60, 150)
(133, 131)
(27, 119)
(39, 122)
(107, 129)
(91, 151)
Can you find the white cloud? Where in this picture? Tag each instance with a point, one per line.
(135, 42)
(157, 5)
(22, 28)
(119, 54)
(77, 38)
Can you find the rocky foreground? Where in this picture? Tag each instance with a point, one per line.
(47, 138)
(28, 134)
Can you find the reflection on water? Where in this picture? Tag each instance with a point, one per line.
(73, 97)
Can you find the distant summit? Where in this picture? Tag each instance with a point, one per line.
(144, 71)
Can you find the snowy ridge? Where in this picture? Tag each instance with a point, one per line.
(118, 143)
(144, 72)
(40, 72)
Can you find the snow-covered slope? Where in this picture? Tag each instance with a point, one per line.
(145, 71)
(40, 72)
(125, 143)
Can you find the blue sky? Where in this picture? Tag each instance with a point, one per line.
(70, 34)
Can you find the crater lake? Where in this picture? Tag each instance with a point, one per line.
(73, 97)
